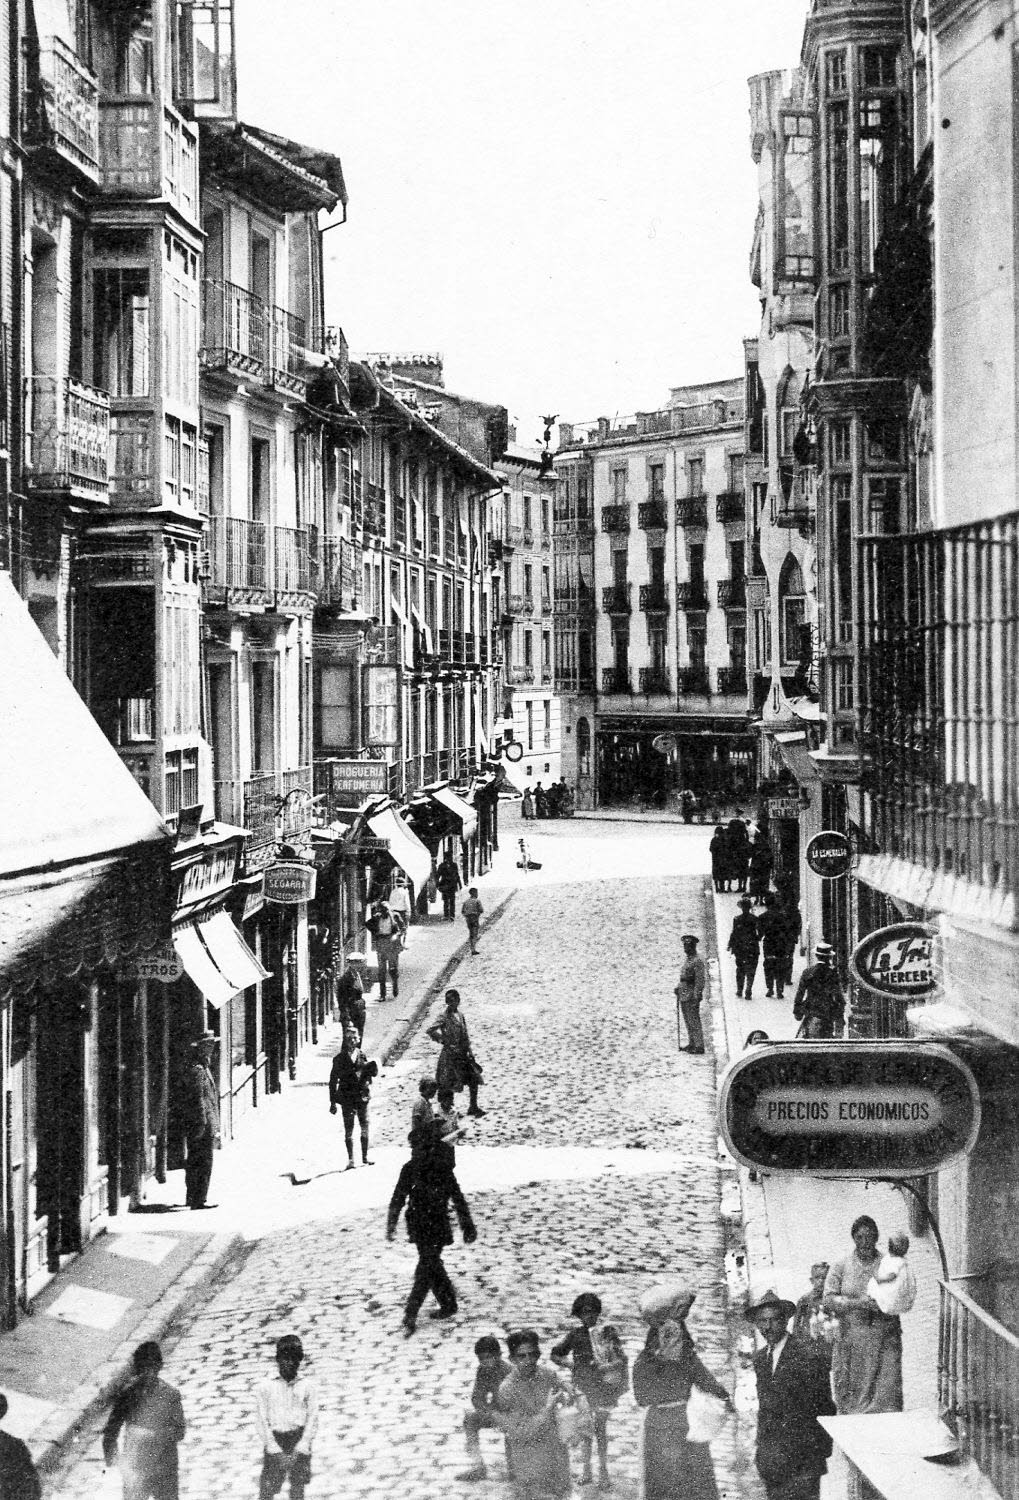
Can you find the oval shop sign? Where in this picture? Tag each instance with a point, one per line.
(829, 854)
(849, 1109)
(898, 961)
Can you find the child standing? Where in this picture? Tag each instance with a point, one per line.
(449, 1118)
(472, 911)
(893, 1285)
(286, 1415)
(599, 1373)
(491, 1372)
(423, 1113)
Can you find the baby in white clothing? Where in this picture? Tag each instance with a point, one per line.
(893, 1285)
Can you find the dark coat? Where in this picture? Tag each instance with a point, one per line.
(771, 925)
(744, 940)
(350, 1078)
(427, 1185)
(18, 1477)
(819, 997)
(790, 1440)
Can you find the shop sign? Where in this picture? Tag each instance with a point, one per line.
(898, 961)
(253, 903)
(289, 882)
(829, 854)
(351, 781)
(849, 1109)
(163, 964)
(208, 876)
(783, 807)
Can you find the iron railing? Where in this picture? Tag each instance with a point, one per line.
(733, 680)
(651, 514)
(694, 680)
(692, 512)
(615, 518)
(978, 1386)
(62, 107)
(238, 555)
(731, 505)
(939, 698)
(520, 674)
(732, 593)
(519, 536)
(654, 598)
(70, 443)
(287, 343)
(653, 680)
(613, 681)
(291, 560)
(234, 327)
(691, 595)
(615, 599)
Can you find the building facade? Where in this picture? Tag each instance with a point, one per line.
(574, 615)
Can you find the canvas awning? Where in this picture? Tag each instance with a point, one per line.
(231, 954)
(84, 856)
(404, 845)
(795, 752)
(200, 966)
(461, 811)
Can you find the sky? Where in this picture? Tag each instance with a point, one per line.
(556, 195)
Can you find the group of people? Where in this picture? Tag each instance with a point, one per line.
(741, 857)
(554, 802)
(819, 1003)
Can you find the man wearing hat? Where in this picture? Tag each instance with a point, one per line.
(350, 994)
(286, 1415)
(690, 991)
(820, 1003)
(201, 1120)
(385, 929)
(793, 1390)
(350, 1082)
(745, 946)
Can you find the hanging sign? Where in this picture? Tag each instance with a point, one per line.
(784, 807)
(351, 781)
(162, 964)
(849, 1109)
(829, 854)
(288, 882)
(899, 961)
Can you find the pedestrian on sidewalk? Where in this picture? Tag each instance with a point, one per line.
(771, 928)
(350, 1084)
(150, 1415)
(790, 909)
(527, 804)
(385, 929)
(286, 1416)
(866, 1368)
(447, 878)
(427, 1186)
(423, 1112)
(472, 911)
(664, 1374)
(350, 989)
(690, 991)
(201, 1121)
(457, 1067)
(491, 1372)
(739, 849)
(745, 946)
(598, 1373)
(760, 867)
(820, 1002)
(540, 801)
(792, 1392)
(400, 905)
(19, 1479)
(527, 1403)
(719, 849)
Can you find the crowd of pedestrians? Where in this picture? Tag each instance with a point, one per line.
(555, 801)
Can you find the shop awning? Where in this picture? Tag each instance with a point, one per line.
(232, 956)
(84, 856)
(404, 845)
(461, 811)
(793, 748)
(200, 967)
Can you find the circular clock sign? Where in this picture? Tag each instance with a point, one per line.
(829, 854)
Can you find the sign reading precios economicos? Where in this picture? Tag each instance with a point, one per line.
(849, 1109)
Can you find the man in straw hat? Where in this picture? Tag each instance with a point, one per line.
(201, 1120)
(793, 1390)
(820, 1003)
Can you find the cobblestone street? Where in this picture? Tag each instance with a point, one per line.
(594, 1168)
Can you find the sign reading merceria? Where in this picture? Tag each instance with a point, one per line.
(897, 960)
(289, 882)
(849, 1109)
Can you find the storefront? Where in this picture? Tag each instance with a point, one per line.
(714, 759)
(447, 823)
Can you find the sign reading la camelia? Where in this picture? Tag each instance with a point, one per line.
(849, 1109)
(829, 854)
(898, 960)
(289, 882)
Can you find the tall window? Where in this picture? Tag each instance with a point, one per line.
(619, 568)
(528, 581)
(261, 479)
(657, 650)
(694, 477)
(527, 512)
(838, 186)
(583, 493)
(619, 486)
(878, 145)
(791, 610)
(529, 711)
(544, 513)
(656, 481)
(122, 331)
(734, 463)
(656, 567)
(528, 648)
(583, 747)
(697, 567)
(697, 639)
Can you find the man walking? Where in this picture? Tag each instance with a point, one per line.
(286, 1415)
(690, 991)
(350, 1082)
(426, 1185)
(472, 911)
(201, 1121)
(793, 1390)
(745, 947)
(447, 878)
(771, 925)
(350, 994)
(385, 929)
(150, 1415)
(820, 1003)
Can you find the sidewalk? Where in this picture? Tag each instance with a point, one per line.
(73, 1349)
(789, 1222)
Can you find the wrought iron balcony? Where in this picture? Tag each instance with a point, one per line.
(615, 599)
(654, 680)
(70, 438)
(235, 328)
(733, 680)
(518, 604)
(613, 681)
(615, 518)
(291, 561)
(570, 523)
(520, 674)
(275, 808)
(651, 514)
(732, 593)
(691, 595)
(654, 598)
(520, 536)
(795, 516)
(731, 505)
(288, 341)
(238, 563)
(62, 107)
(694, 680)
(978, 1386)
(693, 512)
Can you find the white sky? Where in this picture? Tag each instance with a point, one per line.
(558, 195)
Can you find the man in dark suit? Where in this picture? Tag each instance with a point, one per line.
(18, 1477)
(201, 1120)
(793, 1390)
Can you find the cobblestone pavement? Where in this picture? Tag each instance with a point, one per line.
(596, 1167)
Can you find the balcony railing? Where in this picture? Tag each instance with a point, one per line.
(518, 604)
(795, 517)
(520, 674)
(615, 518)
(572, 523)
(234, 328)
(519, 536)
(239, 555)
(731, 505)
(654, 680)
(978, 1387)
(938, 617)
(546, 541)
(62, 107)
(732, 593)
(733, 680)
(292, 561)
(691, 595)
(615, 599)
(70, 437)
(287, 343)
(692, 512)
(651, 515)
(613, 681)
(338, 574)
(135, 163)
(694, 680)
(275, 808)
(654, 598)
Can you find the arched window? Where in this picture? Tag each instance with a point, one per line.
(792, 606)
(583, 747)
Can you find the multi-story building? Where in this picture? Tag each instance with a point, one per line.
(573, 618)
(669, 629)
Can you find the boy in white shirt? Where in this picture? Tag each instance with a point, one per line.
(893, 1285)
(286, 1415)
